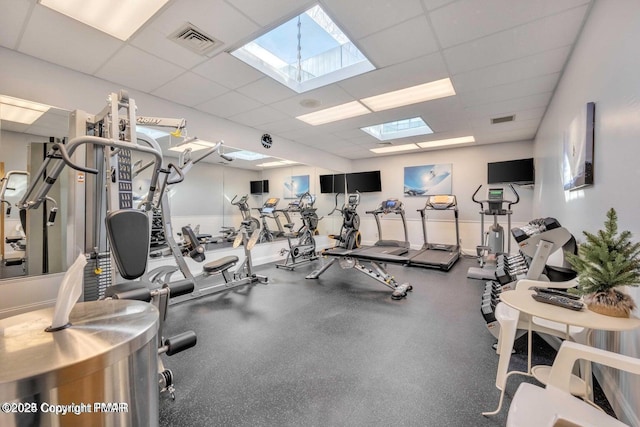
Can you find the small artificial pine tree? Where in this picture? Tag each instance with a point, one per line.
(606, 260)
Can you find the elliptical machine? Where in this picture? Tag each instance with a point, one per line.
(303, 248)
(349, 237)
(492, 241)
(229, 233)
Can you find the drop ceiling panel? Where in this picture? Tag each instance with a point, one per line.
(545, 83)
(153, 39)
(12, 18)
(511, 106)
(228, 104)
(228, 71)
(399, 43)
(190, 89)
(284, 125)
(61, 40)
(137, 69)
(214, 17)
(328, 96)
(420, 70)
(266, 90)
(513, 71)
(259, 116)
(268, 13)
(360, 18)
(466, 20)
(434, 4)
(539, 36)
(525, 134)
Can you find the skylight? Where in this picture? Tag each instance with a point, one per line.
(305, 53)
(399, 129)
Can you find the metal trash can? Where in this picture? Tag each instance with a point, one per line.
(100, 371)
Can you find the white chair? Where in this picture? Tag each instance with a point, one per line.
(533, 406)
(511, 320)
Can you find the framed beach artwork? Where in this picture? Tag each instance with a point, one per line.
(578, 145)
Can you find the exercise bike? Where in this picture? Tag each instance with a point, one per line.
(229, 233)
(302, 245)
(349, 237)
(492, 241)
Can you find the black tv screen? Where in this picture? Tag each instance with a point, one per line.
(260, 187)
(512, 171)
(332, 183)
(364, 182)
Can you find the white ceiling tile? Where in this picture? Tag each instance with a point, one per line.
(524, 134)
(328, 96)
(434, 4)
(228, 104)
(267, 13)
(545, 83)
(420, 70)
(267, 90)
(64, 41)
(535, 37)
(510, 106)
(139, 70)
(228, 71)
(154, 40)
(190, 89)
(390, 46)
(467, 20)
(523, 120)
(259, 116)
(513, 71)
(285, 125)
(359, 18)
(215, 18)
(12, 19)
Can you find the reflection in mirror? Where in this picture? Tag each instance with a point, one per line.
(26, 128)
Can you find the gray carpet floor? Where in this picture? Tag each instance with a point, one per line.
(338, 351)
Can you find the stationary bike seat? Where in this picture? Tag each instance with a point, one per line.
(220, 264)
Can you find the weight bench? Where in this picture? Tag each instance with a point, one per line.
(129, 237)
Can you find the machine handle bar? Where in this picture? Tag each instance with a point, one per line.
(175, 179)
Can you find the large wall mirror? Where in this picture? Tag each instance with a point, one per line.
(31, 245)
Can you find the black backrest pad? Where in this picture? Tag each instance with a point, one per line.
(129, 235)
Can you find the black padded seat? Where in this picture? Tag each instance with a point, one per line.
(13, 239)
(289, 225)
(221, 264)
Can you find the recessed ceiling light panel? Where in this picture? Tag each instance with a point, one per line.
(119, 18)
(410, 95)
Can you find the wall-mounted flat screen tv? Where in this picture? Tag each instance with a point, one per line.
(260, 187)
(512, 171)
(364, 182)
(332, 183)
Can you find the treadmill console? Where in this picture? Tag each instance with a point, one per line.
(353, 200)
(441, 202)
(391, 205)
(270, 205)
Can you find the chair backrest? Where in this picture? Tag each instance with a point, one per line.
(570, 352)
(129, 236)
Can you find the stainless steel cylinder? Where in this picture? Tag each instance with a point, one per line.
(100, 371)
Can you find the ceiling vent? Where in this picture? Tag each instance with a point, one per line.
(384, 143)
(195, 39)
(504, 119)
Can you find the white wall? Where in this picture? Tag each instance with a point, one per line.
(469, 170)
(604, 68)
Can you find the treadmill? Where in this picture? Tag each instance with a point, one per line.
(438, 255)
(395, 248)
